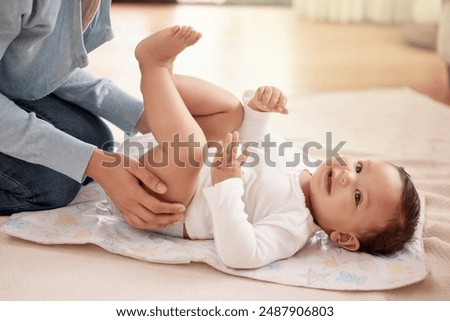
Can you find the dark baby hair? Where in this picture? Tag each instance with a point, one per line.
(400, 229)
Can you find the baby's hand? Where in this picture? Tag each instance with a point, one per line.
(269, 99)
(227, 164)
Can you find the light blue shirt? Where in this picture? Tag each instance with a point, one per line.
(42, 50)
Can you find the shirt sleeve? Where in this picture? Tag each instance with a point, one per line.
(241, 244)
(9, 21)
(255, 124)
(103, 98)
(26, 137)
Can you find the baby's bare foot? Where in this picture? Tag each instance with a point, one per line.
(162, 47)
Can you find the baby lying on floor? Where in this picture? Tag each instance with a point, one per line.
(258, 207)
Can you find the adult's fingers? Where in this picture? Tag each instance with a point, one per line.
(147, 178)
(141, 218)
(157, 206)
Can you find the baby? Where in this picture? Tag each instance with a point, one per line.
(264, 212)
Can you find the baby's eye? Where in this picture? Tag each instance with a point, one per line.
(359, 167)
(357, 196)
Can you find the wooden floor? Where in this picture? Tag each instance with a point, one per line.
(245, 47)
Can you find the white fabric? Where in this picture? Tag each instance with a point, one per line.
(260, 218)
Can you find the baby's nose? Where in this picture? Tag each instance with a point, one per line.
(345, 177)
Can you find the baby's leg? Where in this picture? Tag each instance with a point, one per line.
(215, 109)
(167, 115)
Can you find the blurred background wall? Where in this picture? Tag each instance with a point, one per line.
(378, 11)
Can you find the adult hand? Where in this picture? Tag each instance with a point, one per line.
(123, 178)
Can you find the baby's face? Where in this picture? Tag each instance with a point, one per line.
(356, 196)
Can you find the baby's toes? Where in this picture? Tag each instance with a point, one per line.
(183, 31)
(188, 35)
(175, 29)
(193, 37)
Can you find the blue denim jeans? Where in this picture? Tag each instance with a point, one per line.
(31, 187)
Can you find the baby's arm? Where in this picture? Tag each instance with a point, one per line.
(258, 107)
(241, 244)
(256, 123)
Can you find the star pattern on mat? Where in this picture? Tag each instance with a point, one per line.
(145, 251)
(313, 276)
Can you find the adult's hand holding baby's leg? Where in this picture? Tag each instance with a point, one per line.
(123, 179)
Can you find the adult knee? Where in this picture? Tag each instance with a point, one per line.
(48, 191)
(58, 192)
(63, 192)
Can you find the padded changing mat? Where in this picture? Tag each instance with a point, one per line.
(319, 265)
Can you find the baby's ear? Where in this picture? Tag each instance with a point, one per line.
(348, 241)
